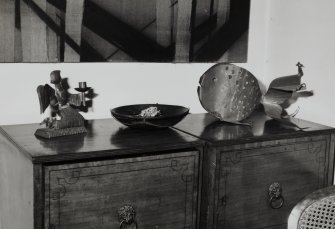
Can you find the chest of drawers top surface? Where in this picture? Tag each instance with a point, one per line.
(107, 137)
(262, 128)
(104, 137)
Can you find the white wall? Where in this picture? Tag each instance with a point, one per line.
(115, 84)
(304, 30)
(121, 84)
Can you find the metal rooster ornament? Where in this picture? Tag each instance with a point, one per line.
(282, 93)
(64, 118)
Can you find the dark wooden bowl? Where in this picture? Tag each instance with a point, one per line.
(169, 116)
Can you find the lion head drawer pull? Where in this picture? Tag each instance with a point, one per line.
(276, 199)
(127, 217)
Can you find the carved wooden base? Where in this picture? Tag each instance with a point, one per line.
(53, 133)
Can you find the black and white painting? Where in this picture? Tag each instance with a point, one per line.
(124, 30)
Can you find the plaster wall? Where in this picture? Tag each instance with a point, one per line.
(303, 30)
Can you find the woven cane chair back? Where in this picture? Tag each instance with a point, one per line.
(315, 211)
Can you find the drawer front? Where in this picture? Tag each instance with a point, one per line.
(246, 175)
(160, 190)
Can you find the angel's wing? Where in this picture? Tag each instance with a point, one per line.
(45, 93)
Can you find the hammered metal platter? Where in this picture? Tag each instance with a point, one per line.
(229, 92)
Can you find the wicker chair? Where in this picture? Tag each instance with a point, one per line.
(317, 210)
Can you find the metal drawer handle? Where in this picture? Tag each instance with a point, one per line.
(276, 199)
(127, 216)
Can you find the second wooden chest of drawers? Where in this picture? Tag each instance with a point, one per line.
(253, 176)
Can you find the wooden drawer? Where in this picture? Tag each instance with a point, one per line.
(245, 175)
(162, 190)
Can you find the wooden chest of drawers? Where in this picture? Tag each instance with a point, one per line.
(112, 177)
(199, 174)
(243, 164)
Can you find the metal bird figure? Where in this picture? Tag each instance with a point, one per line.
(283, 92)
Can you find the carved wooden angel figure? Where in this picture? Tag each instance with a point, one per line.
(64, 119)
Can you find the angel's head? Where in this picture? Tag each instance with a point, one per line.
(55, 77)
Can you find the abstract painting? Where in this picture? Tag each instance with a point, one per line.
(124, 30)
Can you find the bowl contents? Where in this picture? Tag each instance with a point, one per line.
(150, 112)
